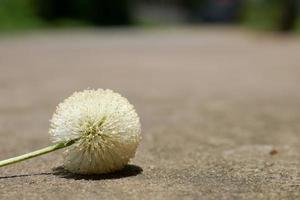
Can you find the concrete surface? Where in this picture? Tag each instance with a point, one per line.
(220, 111)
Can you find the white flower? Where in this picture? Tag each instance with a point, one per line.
(106, 129)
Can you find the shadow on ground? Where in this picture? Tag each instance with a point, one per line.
(127, 171)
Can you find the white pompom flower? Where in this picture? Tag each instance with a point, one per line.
(104, 126)
(99, 128)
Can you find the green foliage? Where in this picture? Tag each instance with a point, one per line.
(28, 14)
(263, 14)
(18, 14)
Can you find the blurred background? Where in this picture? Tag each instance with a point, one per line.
(277, 15)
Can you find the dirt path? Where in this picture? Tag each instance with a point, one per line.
(220, 111)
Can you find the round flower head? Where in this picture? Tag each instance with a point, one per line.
(105, 127)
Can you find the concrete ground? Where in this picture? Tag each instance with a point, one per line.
(220, 112)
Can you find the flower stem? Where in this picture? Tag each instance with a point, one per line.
(37, 153)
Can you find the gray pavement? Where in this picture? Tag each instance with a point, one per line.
(220, 112)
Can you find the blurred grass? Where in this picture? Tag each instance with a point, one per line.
(22, 15)
(264, 15)
(18, 15)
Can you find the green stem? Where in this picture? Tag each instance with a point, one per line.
(36, 153)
